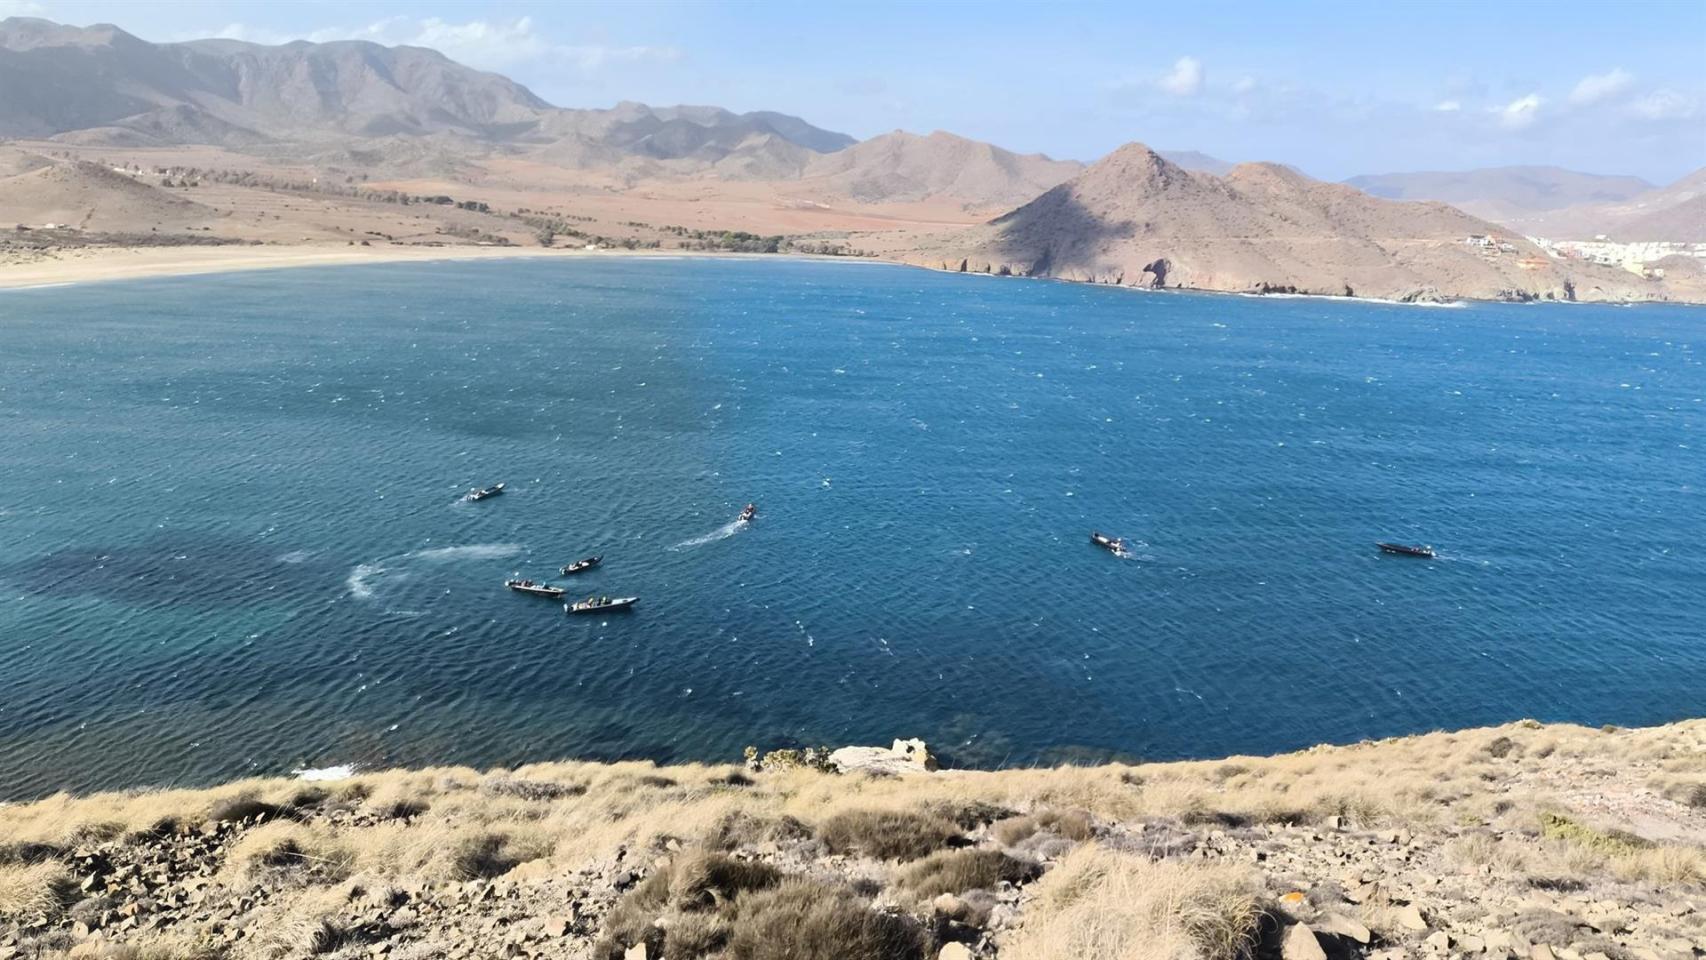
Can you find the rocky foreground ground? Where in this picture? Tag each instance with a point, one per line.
(1529, 841)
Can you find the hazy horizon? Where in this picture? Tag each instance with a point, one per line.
(1320, 86)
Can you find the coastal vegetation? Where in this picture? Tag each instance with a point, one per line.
(1503, 841)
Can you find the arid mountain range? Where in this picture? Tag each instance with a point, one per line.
(112, 138)
(1549, 201)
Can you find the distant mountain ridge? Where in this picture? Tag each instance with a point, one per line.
(100, 84)
(902, 166)
(1511, 189)
(1559, 203)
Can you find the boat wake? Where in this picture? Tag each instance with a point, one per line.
(723, 532)
(475, 551)
(1135, 550)
(364, 580)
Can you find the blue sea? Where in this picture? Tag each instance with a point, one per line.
(232, 540)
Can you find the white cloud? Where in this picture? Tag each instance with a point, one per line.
(1448, 106)
(1664, 104)
(1185, 79)
(1596, 87)
(488, 44)
(20, 8)
(1243, 85)
(1520, 112)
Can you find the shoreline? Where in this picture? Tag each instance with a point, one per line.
(107, 264)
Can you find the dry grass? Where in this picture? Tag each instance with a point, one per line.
(957, 871)
(695, 905)
(1119, 906)
(887, 834)
(288, 853)
(803, 918)
(34, 889)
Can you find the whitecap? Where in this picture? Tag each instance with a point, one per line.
(357, 583)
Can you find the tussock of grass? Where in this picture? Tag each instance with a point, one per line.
(242, 807)
(487, 854)
(287, 853)
(1688, 794)
(1014, 830)
(34, 889)
(803, 918)
(530, 789)
(957, 871)
(971, 814)
(887, 834)
(742, 829)
(686, 908)
(1118, 906)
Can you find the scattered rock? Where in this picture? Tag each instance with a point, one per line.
(1301, 944)
(1410, 917)
(1339, 925)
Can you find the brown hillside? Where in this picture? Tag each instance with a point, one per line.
(903, 166)
(1135, 218)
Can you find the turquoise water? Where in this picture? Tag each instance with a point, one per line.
(231, 541)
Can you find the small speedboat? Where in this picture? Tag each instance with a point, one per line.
(483, 493)
(600, 604)
(536, 589)
(747, 514)
(1110, 544)
(1407, 550)
(579, 565)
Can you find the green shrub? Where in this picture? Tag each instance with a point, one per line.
(1556, 826)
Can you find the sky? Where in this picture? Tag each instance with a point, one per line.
(1334, 88)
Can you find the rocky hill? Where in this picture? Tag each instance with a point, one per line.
(88, 196)
(1134, 218)
(906, 166)
(1528, 840)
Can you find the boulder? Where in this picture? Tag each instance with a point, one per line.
(954, 951)
(1339, 925)
(906, 756)
(1301, 944)
(1410, 917)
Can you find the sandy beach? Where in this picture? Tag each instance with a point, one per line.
(95, 264)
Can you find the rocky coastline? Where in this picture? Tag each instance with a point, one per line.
(1541, 842)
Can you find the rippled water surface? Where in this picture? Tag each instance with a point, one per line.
(231, 541)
